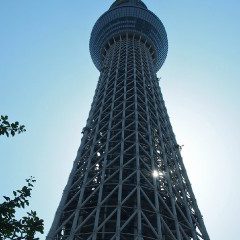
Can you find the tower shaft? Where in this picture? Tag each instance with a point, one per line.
(128, 180)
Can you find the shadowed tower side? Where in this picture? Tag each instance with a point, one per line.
(128, 180)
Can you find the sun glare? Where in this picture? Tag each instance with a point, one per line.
(155, 173)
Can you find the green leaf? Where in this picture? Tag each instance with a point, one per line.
(7, 198)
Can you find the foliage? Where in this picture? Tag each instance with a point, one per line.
(27, 226)
(7, 128)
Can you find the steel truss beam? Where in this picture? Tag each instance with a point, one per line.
(112, 192)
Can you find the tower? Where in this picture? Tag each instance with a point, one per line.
(128, 181)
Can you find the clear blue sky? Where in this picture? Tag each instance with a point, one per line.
(47, 82)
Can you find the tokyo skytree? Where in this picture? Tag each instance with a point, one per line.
(128, 181)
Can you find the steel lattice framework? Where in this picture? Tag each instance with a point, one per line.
(128, 180)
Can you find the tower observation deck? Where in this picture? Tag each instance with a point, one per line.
(128, 180)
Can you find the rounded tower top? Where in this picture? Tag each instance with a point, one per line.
(121, 3)
(128, 17)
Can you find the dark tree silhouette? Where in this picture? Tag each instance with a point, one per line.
(7, 128)
(25, 227)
